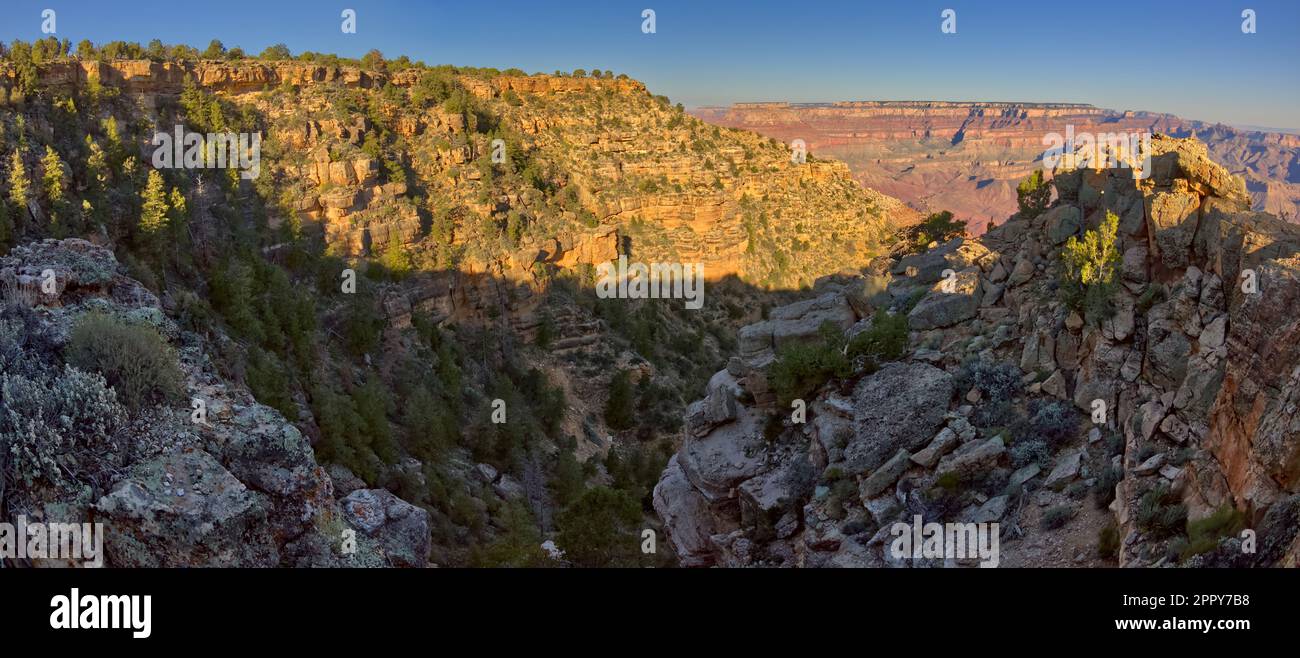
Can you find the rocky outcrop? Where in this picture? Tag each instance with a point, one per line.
(237, 487)
(1191, 376)
(184, 509)
(400, 528)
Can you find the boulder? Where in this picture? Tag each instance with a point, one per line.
(727, 456)
(1151, 465)
(755, 341)
(1021, 273)
(1065, 472)
(948, 302)
(927, 267)
(777, 490)
(885, 476)
(900, 407)
(972, 459)
(1171, 225)
(1055, 386)
(1023, 475)
(942, 444)
(686, 516)
(801, 322)
(183, 509)
(1061, 223)
(400, 529)
(716, 408)
(991, 511)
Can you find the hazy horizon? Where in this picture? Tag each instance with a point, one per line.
(828, 103)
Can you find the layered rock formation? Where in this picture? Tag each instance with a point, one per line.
(677, 190)
(1183, 395)
(969, 157)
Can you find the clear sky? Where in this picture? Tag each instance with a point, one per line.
(1187, 57)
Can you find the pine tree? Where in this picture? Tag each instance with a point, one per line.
(1090, 269)
(178, 212)
(19, 183)
(153, 215)
(96, 165)
(53, 177)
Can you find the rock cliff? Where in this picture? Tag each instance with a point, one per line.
(1121, 437)
(238, 487)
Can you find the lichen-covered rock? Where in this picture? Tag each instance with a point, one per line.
(900, 407)
(400, 529)
(183, 509)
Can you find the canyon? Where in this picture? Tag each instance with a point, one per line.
(474, 284)
(968, 157)
(949, 377)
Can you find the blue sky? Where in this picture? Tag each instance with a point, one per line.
(1186, 57)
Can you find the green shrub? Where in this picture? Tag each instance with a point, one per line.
(1161, 512)
(53, 428)
(269, 383)
(1033, 195)
(998, 381)
(345, 435)
(1205, 534)
(1054, 423)
(134, 359)
(885, 340)
(601, 529)
(430, 427)
(1089, 269)
(1077, 490)
(996, 415)
(938, 227)
(1057, 517)
(1154, 294)
(1103, 490)
(950, 481)
(1108, 542)
(801, 369)
(1114, 444)
(619, 412)
(1031, 451)
(517, 546)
